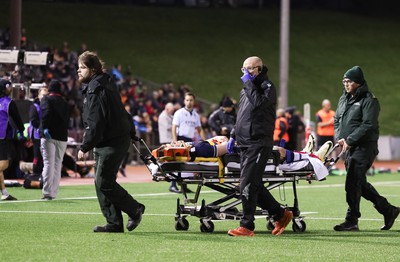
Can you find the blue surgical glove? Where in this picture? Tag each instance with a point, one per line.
(230, 147)
(46, 134)
(21, 136)
(247, 76)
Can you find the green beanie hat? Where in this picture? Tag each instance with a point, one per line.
(355, 74)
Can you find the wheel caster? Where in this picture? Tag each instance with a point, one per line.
(182, 224)
(270, 225)
(206, 226)
(298, 225)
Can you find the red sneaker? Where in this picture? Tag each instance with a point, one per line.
(241, 232)
(282, 223)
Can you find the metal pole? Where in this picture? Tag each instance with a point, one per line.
(15, 23)
(284, 53)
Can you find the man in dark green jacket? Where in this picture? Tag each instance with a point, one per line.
(357, 131)
(108, 130)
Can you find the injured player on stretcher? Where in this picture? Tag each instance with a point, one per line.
(289, 160)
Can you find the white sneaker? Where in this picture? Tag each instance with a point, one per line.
(153, 169)
(309, 148)
(324, 150)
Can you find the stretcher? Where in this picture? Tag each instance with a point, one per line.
(221, 174)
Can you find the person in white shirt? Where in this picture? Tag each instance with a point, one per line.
(184, 125)
(165, 124)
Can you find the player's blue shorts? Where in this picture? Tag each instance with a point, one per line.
(203, 149)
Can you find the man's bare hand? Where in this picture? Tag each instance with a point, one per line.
(81, 156)
(344, 145)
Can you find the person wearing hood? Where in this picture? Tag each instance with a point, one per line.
(253, 133)
(357, 132)
(108, 132)
(8, 115)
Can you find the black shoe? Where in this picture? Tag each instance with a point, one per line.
(390, 217)
(47, 198)
(108, 229)
(133, 222)
(174, 189)
(346, 226)
(8, 198)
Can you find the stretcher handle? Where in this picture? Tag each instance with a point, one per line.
(333, 161)
(145, 159)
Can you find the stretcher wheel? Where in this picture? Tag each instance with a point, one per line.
(298, 225)
(206, 226)
(182, 224)
(270, 225)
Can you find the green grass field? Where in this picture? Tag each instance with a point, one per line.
(61, 230)
(205, 47)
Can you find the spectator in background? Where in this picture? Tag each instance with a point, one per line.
(184, 124)
(165, 133)
(165, 124)
(223, 119)
(116, 72)
(281, 128)
(126, 158)
(8, 115)
(54, 136)
(205, 126)
(35, 117)
(325, 127)
(296, 126)
(186, 120)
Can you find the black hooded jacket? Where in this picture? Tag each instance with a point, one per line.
(257, 112)
(105, 119)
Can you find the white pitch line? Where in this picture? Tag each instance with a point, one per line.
(173, 215)
(67, 213)
(383, 183)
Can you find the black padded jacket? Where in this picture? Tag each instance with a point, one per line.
(257, 112)
(105, 119)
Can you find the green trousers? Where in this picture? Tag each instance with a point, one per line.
(112, 197)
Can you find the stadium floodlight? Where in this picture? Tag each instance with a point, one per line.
(35, 58)
(9, 56)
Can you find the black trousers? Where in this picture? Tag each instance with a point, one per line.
(111, 196)
(253, 160)
(358, 160)
(37, 158)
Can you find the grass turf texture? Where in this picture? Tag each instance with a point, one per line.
(61, 230)
(205, 47)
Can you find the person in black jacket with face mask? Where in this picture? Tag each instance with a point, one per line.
(254, 135)
(108, 131)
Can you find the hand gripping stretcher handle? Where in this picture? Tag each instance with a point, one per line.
(333, 161)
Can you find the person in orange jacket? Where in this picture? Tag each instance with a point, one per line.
(281, 127)
(325, 128)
